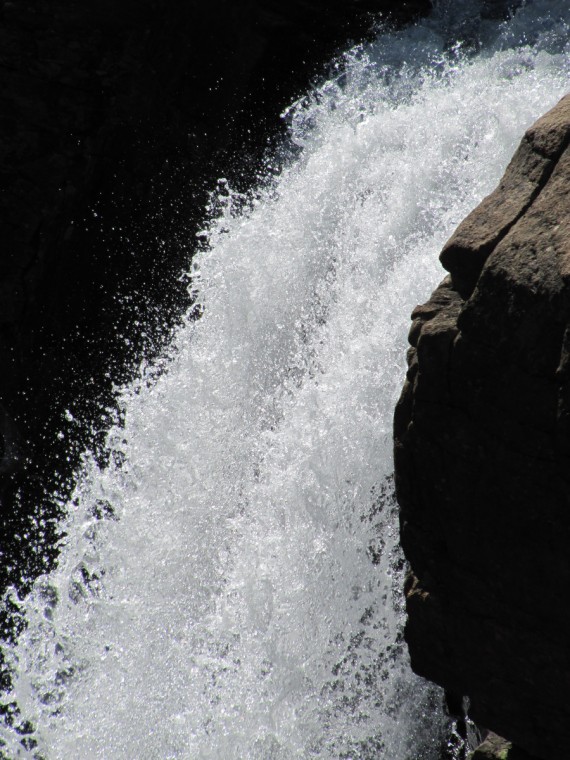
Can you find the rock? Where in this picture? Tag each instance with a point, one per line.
(482, 455)
(496, 748)
(468, 249)
(493, 748)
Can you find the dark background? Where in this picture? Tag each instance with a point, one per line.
(116, 119)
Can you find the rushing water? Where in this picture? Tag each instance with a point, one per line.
(229, 587)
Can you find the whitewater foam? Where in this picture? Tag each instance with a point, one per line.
(229, 586)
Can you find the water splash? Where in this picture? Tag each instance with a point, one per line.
(229, 586)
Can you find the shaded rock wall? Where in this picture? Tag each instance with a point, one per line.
(482, 451)
(116, 116)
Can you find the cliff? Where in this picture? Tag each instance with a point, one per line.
(482, 447)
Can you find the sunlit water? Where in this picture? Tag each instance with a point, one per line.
(230, 586)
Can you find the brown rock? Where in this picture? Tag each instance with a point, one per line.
(469, 247)
(496, 748)
(493, 748)
(482, 454)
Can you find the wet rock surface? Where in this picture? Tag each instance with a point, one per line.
(482, 445)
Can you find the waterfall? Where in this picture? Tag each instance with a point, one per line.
(229, 585)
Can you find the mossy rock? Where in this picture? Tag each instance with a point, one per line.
(496, 748)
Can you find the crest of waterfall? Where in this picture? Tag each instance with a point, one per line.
(230, 585)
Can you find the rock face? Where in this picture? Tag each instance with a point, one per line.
(116, 118)
(482, 450)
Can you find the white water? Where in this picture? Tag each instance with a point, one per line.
(232, 609)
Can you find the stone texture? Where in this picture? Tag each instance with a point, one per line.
(496, 748)
(493, 748)
(468, 249)
(482, 451)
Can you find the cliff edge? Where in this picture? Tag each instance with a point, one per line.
(482, 454)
